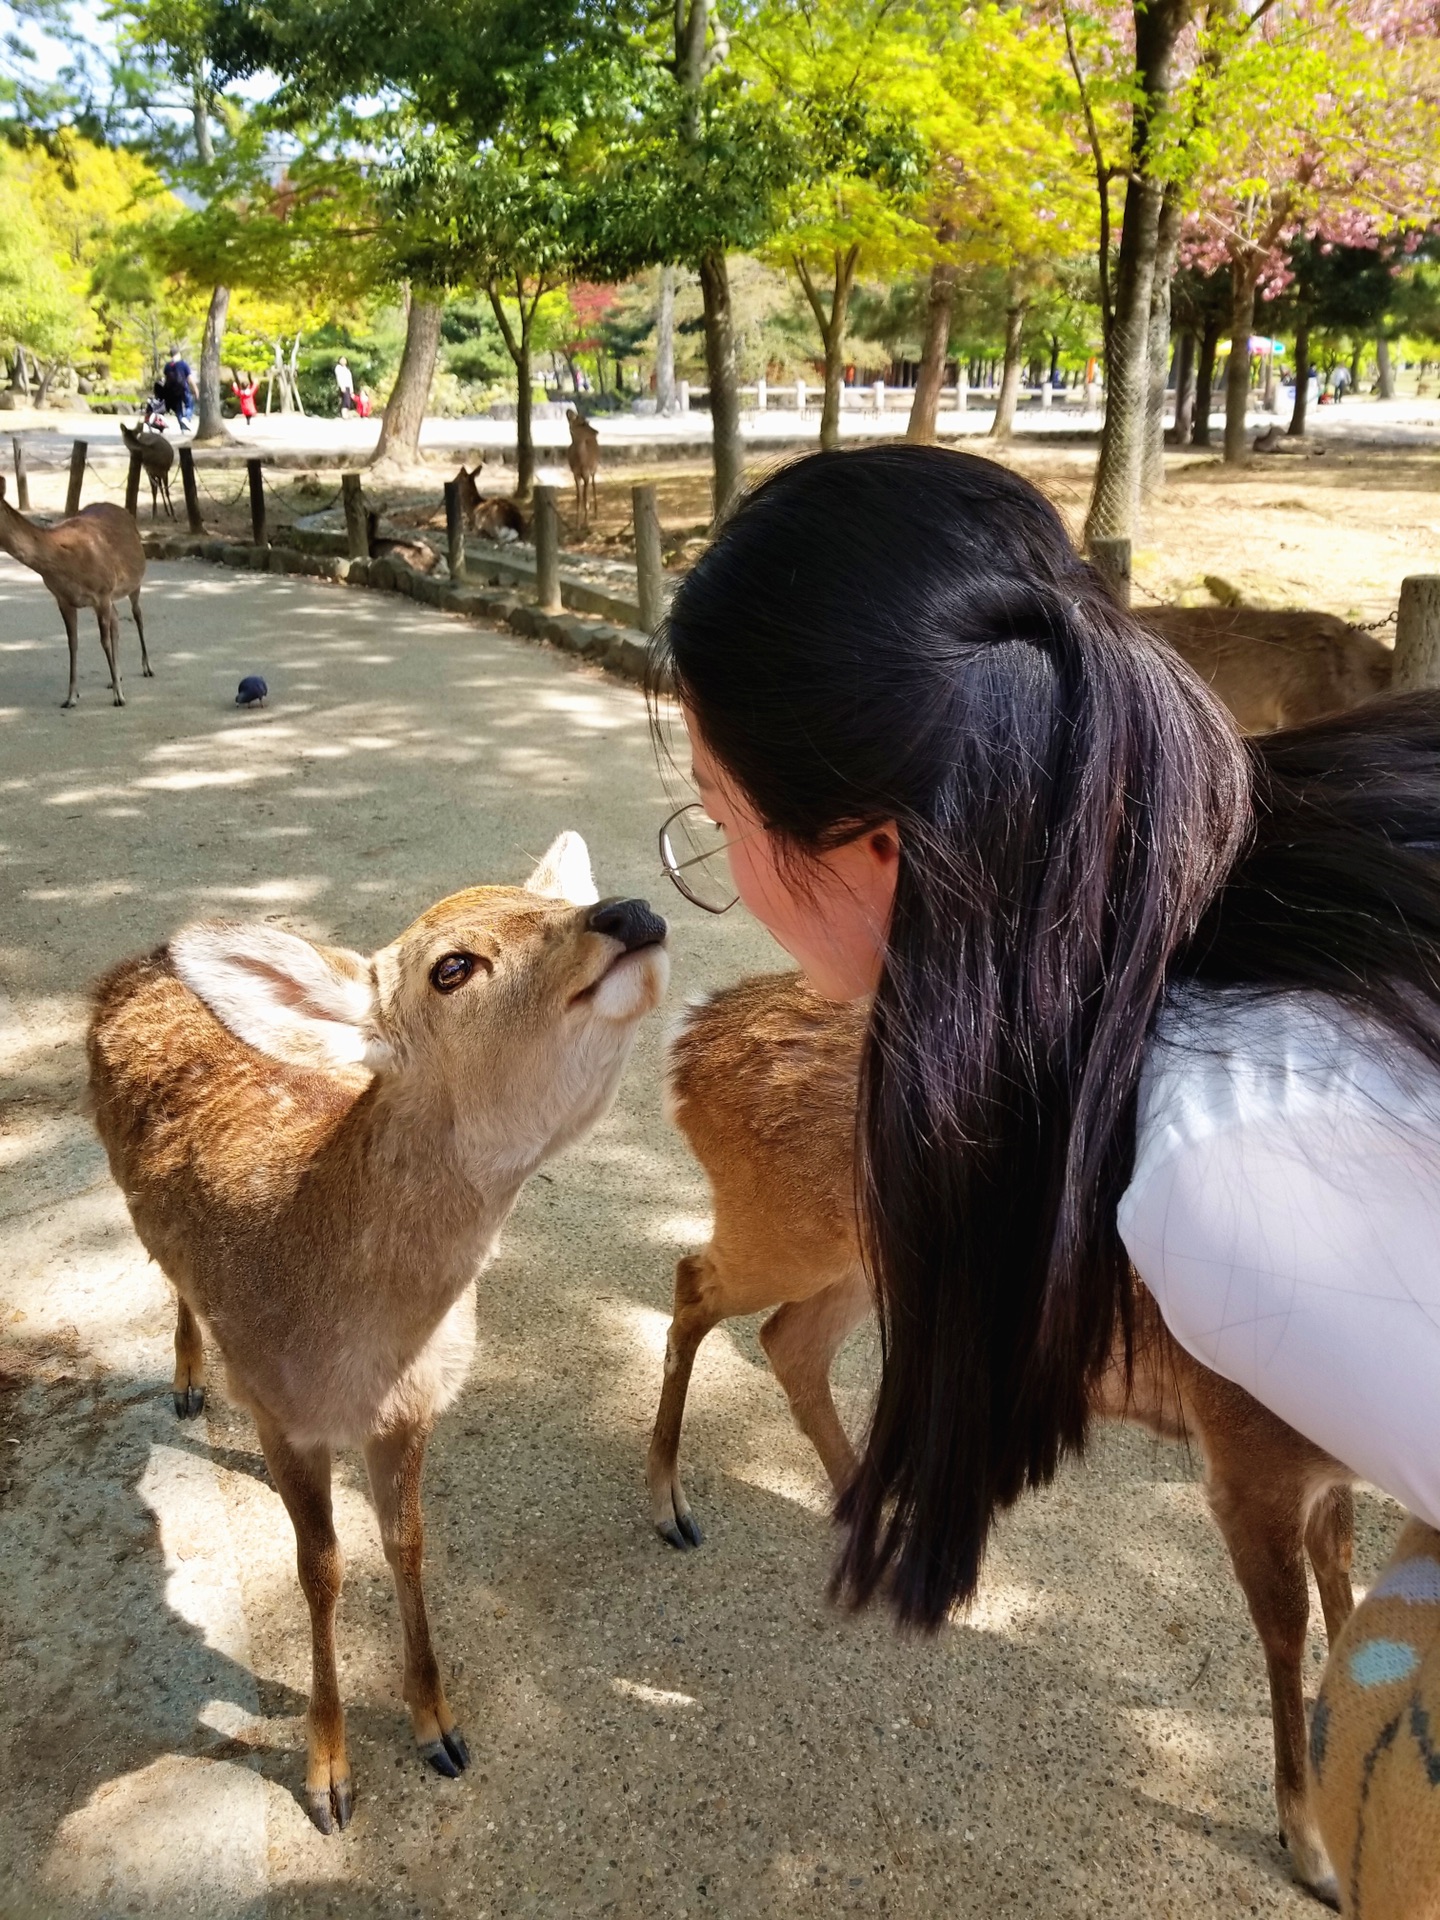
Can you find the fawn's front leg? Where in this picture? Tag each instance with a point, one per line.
(303, 1481)
(395, 1461)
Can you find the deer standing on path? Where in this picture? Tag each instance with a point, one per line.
(157, 456)
(584, 457)
(763, 1083)
(91, 560)
(319, 1149)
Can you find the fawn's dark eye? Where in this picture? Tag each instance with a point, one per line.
(452, 970)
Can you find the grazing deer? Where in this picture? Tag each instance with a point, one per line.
(763, 1084)
(319, 1150)
(1275, 669)
(584, 457)
(157, 456)
(92, 559)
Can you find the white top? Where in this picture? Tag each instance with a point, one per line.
(1285, 1213)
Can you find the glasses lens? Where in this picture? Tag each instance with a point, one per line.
(693, 850)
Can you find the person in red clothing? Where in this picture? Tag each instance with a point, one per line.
(243, 388)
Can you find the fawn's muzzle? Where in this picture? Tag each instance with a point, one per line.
(634, 923)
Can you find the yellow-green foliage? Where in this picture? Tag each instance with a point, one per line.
(71, 269)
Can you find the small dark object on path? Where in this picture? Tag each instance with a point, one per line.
(252, 691)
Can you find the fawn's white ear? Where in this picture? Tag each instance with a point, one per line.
(564, 873)
(312, 1006)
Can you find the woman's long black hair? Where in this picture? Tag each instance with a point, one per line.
(907, 634)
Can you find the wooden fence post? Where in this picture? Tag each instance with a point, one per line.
(547, 551)
(1417, 633)
(1111, 560)
(132, 487)
(192, 494)
(455, 529)
(78, 456)
(357, 534)
(649, 560)
(256, 473)
(22, 477)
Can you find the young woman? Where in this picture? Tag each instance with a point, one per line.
(1144, 993)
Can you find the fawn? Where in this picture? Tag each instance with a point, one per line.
(319, 1150)
(91, 560)
(763, 1082)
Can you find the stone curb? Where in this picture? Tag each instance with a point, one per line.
(619, 650)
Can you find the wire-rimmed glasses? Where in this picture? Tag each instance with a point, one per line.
(692, 852)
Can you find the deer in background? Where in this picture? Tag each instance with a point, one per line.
(1275, 669)
(583, 454)
(494, 518)
(763, 1083)
(319, 1150)
(157, 456)
(92, 559)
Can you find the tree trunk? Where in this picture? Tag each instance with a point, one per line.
(1205, 384)
(1184, 388)
(524, 412)
(665, 343)
(1003, 424)
(405, 409)
(939, 306)
(209, 422)
(1157, 346)
(1357, 363)
(728, 447)
(1243, 274)
(1302, 374)
(1387, 376)
(1116, 494)
(832, 336)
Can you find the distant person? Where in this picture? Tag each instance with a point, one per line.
(345, 381)
(177, 385)
(1340, 382)
(364, 405)
(244, 387)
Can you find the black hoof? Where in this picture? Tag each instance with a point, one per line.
(190, 1404)
(330, 1807)
(148, 674)
(448, 1755)
(690, 1527)
(682, 1533)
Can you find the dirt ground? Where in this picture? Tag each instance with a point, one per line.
(654, 1734)
(1336, 529)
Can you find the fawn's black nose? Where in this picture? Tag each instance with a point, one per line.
(634, 923)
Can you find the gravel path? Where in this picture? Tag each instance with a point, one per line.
(654, 1734)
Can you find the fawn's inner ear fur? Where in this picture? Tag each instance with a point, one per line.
(564, 872)
(300, 1003)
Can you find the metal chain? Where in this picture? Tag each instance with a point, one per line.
(1373, 626)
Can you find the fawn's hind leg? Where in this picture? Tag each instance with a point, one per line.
(1261, 1514)
(801, 1341)
(145, 667)
(189, 1364)
(395, 1462)
(695, 1312)
(303, 1482)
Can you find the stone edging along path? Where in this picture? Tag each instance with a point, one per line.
(620, 650)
